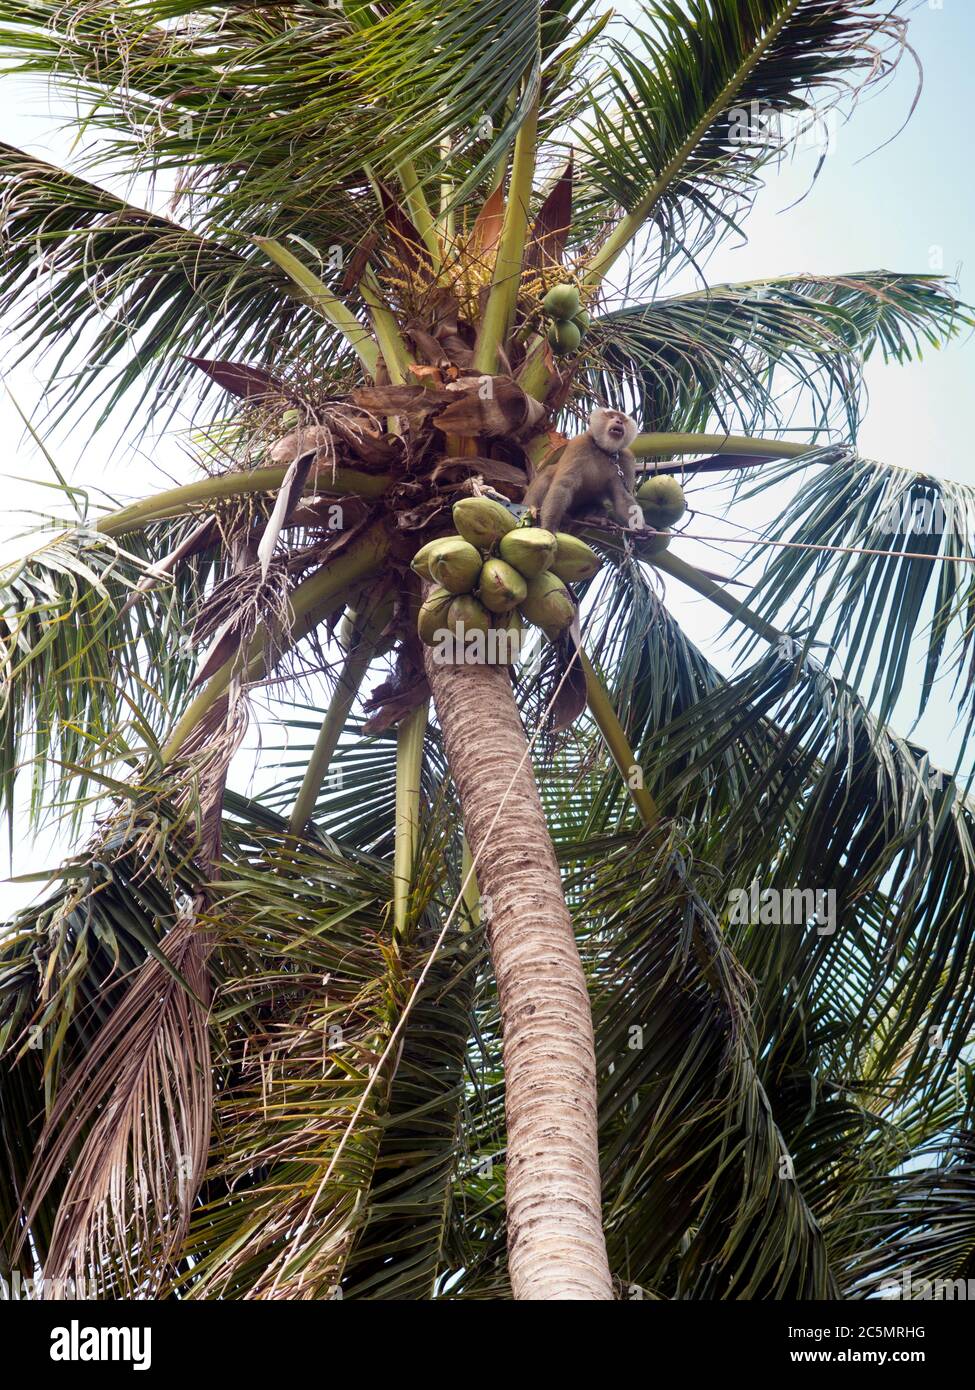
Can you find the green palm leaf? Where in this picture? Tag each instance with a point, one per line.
(88, 682)
(743, 351)
(679, 144)
(900, 573)
(141, 293)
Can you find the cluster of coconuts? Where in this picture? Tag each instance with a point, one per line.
(569, 319)
(495, 572)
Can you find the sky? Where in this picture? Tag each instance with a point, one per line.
(908, 206)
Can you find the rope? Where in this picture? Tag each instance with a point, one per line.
(834, 549)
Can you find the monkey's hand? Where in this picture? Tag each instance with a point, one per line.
(625, 507)
(635, 520)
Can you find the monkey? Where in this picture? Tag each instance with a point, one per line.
(594, 466)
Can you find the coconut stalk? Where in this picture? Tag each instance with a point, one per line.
(499, 312)
(181, 501)
(396, 355)
(419, 209)
(704, 585)
(471, 891)
(409, 766)
(663, 445)
(313, 291)
(608, 724)
(359, 639)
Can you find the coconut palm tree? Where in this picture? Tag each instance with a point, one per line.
(465, 1003)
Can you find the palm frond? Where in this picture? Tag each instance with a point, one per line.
(839, 802)
(299, 1060)
(236, 102)
(750, 353)
(403, 1250)
(106, 968)
(140, 294)
(914, 1227)
(915, 588)
(303, 1004)
(684, 1094)
(692, 98)
(86, 679)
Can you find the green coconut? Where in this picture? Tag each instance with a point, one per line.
(663, 502)
(432, 618)
(502, 587)
(548, 604)
(506, 647)
(420, 564)
(482, 522)
(574, 560)
(561, 302)
(529, 549)
(454, 563)
(564, 338)
(466, 615)
(582, 320)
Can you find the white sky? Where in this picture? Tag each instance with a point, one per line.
(908, 207)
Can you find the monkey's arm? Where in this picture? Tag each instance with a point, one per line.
(539, 486)
(626, 508)
(557, 502)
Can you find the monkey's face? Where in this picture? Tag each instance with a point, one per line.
(612, 429)
(616, 426)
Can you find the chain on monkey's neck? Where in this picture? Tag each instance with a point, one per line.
(613, 455)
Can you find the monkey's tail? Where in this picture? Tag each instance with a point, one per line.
(570, 700)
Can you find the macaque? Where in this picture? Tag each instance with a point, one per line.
(594, 467)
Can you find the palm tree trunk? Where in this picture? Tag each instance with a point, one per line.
(556, 1247)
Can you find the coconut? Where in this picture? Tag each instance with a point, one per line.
(529, 549)
(502, 587)
(564, 338)
(582, 320)
(548, 604)
(573, 558)
(455, 564)
(420, 564)
(465, 615)
(561, 302)
(662, 500)
(482, 522)
(433, 616)
(505, 647)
